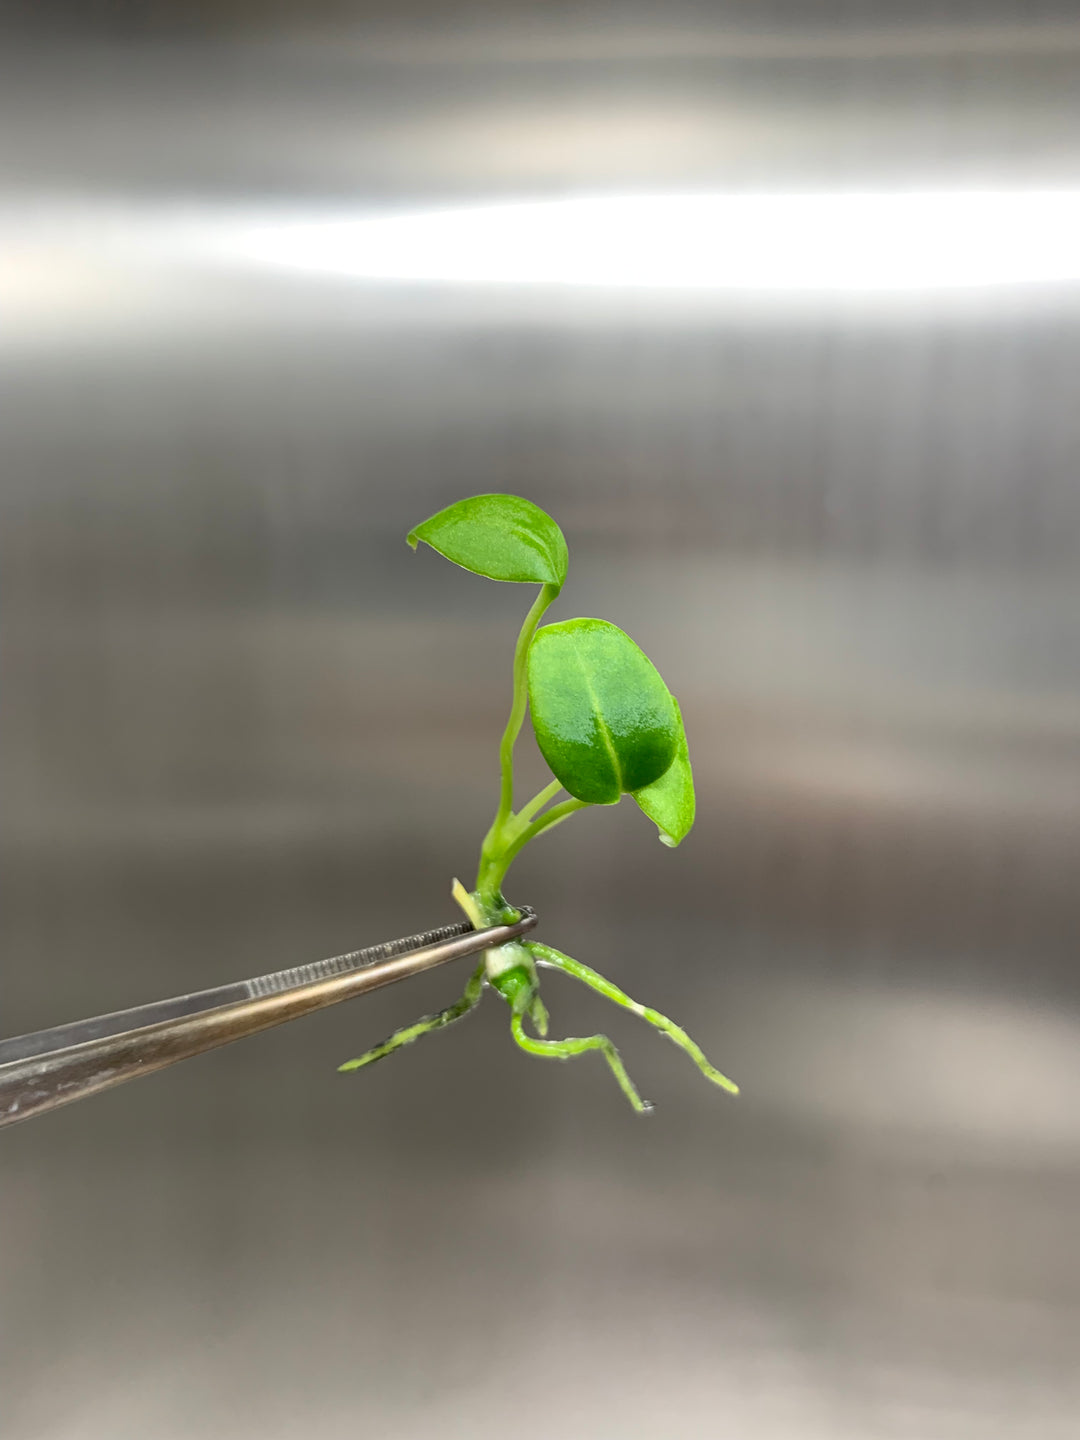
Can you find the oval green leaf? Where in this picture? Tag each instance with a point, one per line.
(604, 720)
(669, 801)
(501, 536)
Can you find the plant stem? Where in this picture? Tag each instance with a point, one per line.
(517, 709)
(496, 860)
(505, 828)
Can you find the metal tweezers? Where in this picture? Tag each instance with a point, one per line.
(50, 1068)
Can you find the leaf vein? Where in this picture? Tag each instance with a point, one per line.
(601, 723)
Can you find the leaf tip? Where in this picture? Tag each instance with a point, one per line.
(412, 539)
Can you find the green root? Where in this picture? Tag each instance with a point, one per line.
(470, 998)
(569, 966)
(573, 1045)
(537, 1013)
(519, 988)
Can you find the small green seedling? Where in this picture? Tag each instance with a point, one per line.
(606, 725)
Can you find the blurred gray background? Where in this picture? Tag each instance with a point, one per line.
(242, 727)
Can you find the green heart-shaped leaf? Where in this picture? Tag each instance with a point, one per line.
(605, 721)
(501, 536)
(669, 801)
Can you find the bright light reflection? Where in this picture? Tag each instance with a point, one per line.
(711, 242)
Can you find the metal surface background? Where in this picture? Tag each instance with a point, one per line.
(239, 717)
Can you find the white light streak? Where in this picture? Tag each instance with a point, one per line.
(730, 242)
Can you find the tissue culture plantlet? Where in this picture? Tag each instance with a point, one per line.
(606, 725)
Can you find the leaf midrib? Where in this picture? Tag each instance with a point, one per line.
(605, 733)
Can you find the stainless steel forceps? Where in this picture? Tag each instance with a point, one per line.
(50, 1068)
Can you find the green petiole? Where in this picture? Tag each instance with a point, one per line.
(533, 807)
(547, 594)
